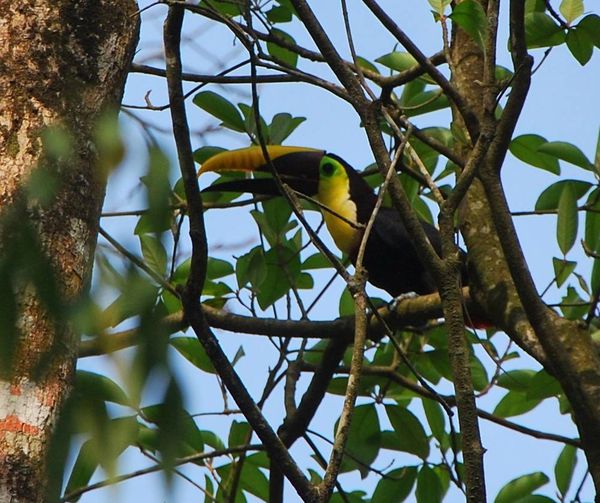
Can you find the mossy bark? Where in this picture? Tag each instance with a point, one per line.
(63, 65)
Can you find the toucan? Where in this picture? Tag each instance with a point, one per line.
(346, 202)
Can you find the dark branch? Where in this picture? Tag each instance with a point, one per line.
(193, 288)
(469, 117)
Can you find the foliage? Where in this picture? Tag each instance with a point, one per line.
(404, 413)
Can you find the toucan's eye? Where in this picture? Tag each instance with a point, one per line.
(327, 168)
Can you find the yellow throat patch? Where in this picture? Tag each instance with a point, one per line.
(334, 193)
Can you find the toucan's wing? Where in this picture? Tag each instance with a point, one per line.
(297, 166)
(391, 259)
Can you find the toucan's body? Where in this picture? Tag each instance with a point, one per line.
(390, 258)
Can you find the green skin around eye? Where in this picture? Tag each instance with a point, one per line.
(328, 167)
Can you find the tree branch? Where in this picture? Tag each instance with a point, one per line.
(409, 312)
(76, 494)
(391, 374)
(193, 288)
(469, 117)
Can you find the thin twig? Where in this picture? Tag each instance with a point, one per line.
(138, 262)
(74, 495)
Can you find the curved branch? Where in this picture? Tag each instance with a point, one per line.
(192, 310)
(410, 312)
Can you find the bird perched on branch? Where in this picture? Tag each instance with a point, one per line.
(347, 203)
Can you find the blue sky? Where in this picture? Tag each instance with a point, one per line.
(562, 105)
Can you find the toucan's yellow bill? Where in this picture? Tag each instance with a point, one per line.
(248, 159)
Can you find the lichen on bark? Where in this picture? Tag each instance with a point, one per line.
(62, 65)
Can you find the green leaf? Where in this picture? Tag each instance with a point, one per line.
(542, 31)
(515, 403)
(478, 374)
(566, 225)
(282, 271)
(346, 306)
(239, 434)
(439, 6)
(177, 432)
(595, 281)
(521, 487)
(397, 60)
(470, 16)
(280, 53)
(567, 152)
(159, 196)
(338, 386)
(305, 281)
(222, 109)
(550, 197)
(215, 289)
(316, 261)
(84, 467)
(435, 418)
(534, 6)
(99, 387)
(562, 269)
(365, 64)
(251, 268)
(410, 435)
(525, 148)
(279, 14)
(137, 297)
(564, 468)
(571, 9)
(146, 225)
(591, 25)
(209, 491)
(103, 449)
(441, 362)
(395, 486)
(239, 354)
(410, 91)
(364, 439)
(254, 481)
(516, 380)
(429, 487)
(277, 214)
(283, 125)
(191, 349)
(314, 354)
(171, 303)
(217, 268)
(154, 253)
(543, 385)
(503, 74)
(580, 44)
(575, 307)
(203, 154)
(592, 221)
(212, 440)
(425, 102)
(250, 123)
(227, 7)
(583, 283)
(182, 272)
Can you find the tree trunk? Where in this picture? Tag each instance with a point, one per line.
(62, 66)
